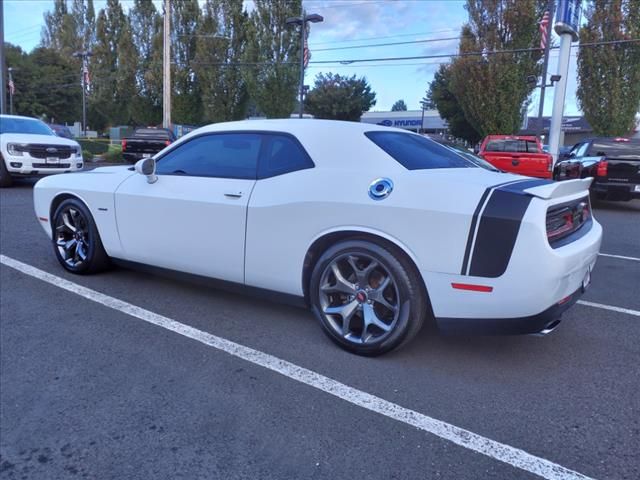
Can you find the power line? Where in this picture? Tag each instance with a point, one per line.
(417, 34)
(468, 54)
(429, 40)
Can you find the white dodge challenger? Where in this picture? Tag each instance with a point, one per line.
(376, 229)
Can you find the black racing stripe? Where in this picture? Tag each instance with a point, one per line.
(472, 229)
(521, 186)
(474, 221)
(497, 232)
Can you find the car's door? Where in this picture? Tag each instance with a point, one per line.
(193, 218)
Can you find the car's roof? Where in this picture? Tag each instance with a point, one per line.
(21, 117)
(511, 137)
(295, 125)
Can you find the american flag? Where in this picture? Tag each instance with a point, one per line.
(306, 54)
(85, 73)
(12, 87)
(544, 30)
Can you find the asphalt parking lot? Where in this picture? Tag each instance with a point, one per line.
(91, 387)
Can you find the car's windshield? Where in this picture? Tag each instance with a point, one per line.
(418, 153)
(24, 125)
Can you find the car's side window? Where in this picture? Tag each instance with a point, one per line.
(282, 154)
(224, 155)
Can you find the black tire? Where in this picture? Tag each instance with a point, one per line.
(80, 219)
(5, 177)
(404, 292)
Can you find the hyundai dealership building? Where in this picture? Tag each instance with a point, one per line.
(413, 120)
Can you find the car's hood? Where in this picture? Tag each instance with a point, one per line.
(104, 179)
(31, 138)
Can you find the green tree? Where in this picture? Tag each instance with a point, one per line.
(221, 45)
(399, 106)
(492, 88)
(146, 29)
(107, 90)
(126, 88)
(340, 98)
(46, 84)
(609, 75)
(274, 55)
(441, 97)
(186, 106)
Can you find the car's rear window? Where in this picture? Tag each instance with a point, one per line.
(152, 132)
(512, 145)
(623, 150)
(417, 153)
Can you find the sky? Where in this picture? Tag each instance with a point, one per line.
(347, 24)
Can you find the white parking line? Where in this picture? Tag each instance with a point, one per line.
(621, 257)
(610, 307)
(465, 438)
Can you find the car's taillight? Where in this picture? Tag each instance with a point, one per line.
(602, 168)
(124, 145)
(566, 219)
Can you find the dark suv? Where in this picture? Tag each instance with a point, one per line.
(614, 163)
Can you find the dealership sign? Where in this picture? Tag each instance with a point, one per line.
(401, 122)
(568, 18)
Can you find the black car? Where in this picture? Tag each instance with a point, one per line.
(614, 163)
(146, 142)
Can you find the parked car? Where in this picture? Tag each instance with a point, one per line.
(562, 153)
(146, 142)
(28, 148)
(376, 229)
(517, 154)
(61, 130)
(614, 163)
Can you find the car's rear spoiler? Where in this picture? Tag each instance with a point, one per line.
(560, 189)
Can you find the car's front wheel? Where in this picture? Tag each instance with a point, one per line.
(368, 299)
(76, 241)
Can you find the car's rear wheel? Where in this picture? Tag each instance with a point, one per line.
(368, 299)
(5, 177)
(76, 241)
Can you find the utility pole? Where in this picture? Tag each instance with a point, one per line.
(83, 55)
(302, 21)
(545, 67)
(567, 24)
(166, 66)
(3, 83)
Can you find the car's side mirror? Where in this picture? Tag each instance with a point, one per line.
(147, 167)
(572, 155)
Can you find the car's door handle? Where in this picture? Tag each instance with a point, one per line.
(233, 194)
(515, 162)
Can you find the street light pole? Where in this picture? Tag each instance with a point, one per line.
(303, 33)
(302, 21)
(166, 66)
(83, 55)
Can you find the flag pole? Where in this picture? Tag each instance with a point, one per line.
(545, 65)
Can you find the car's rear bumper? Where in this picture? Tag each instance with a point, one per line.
(135, 156)
(616, 191)
(543, 322)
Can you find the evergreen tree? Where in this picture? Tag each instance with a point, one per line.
(399, 106)
(186, 106)
(492, 88)
(442, 98)
(105, 108)
(340, 98)
(274, 51)
(146, 29)
(221, 45)
(609, 75)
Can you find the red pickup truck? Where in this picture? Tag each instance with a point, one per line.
(517, 154)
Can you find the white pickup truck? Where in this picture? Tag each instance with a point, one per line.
(29, 148)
